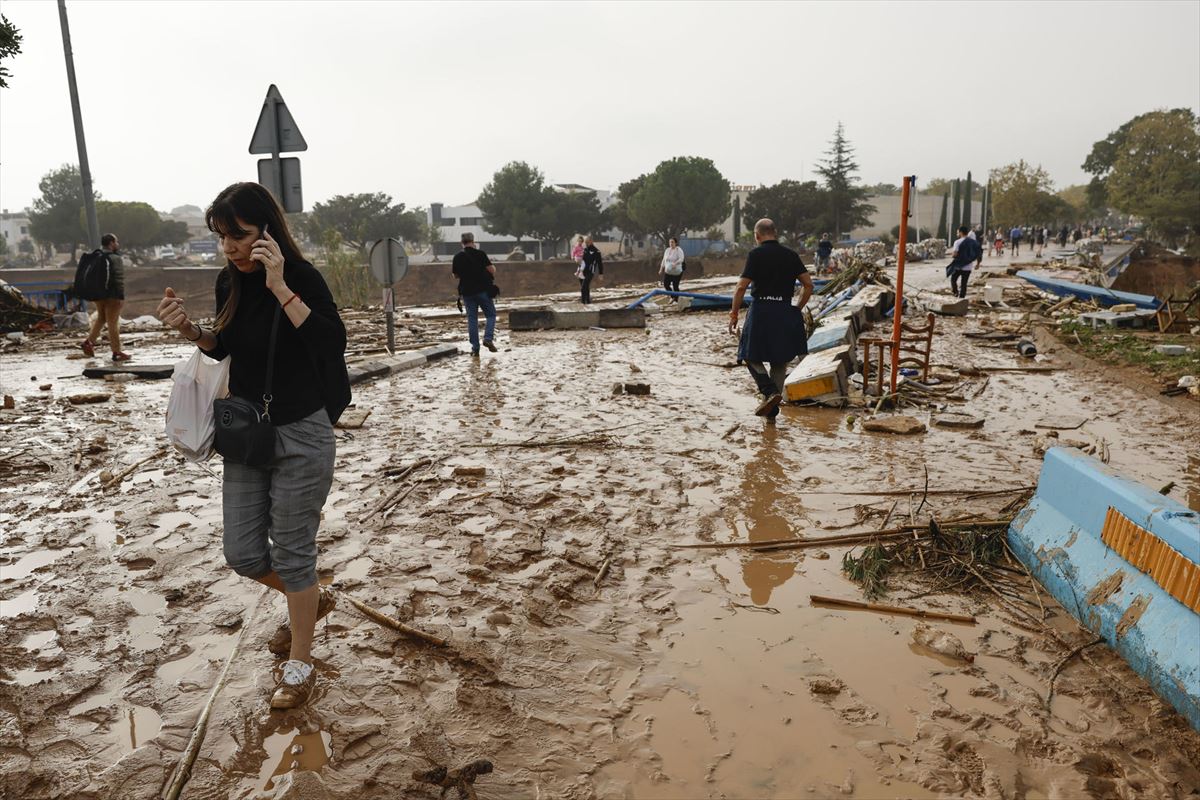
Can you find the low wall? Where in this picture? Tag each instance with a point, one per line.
(425, 283)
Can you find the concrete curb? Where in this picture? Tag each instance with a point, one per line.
(1064, 537)
(363, 371)
(534, 319)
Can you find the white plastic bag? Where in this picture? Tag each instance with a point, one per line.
(198, 382)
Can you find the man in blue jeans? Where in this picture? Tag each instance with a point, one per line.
(477, 286)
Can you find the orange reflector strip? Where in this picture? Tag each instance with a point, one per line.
(1169, 568)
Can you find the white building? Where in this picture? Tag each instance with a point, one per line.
(15, 228)
(454, 221)
(924, 210)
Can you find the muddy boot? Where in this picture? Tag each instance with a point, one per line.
(769, 408)
(281, 643)
(295, 685)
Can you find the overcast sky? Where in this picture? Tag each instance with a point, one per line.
(426, 101)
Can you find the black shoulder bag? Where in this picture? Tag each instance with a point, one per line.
(245, 435)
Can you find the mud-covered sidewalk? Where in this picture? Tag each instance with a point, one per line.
(589, 657)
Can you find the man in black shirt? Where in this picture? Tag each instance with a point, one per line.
(477, 286)
(774, 331)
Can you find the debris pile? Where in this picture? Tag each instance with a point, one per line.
(17, 313)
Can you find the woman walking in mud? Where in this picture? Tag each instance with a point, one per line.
(269, 295)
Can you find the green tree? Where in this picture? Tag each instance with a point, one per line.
(1157, 175)
(943, 185)
(847, 204)
(684, 193)
(10, 45)
(1104, 153)
(57, 215)
(941, 229)
(882, 189)
(564, 214)
(966, 213)
(512, 200)
(796, 208)
(138, 225)
(1023, 193)
(362, 218)
(619, 211)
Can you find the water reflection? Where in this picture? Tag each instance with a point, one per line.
(761, 492)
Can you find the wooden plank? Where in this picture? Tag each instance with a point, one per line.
(152, 372)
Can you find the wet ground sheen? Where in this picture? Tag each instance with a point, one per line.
(684, 674)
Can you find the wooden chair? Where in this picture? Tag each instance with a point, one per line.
(916, 343)
(1173, 314)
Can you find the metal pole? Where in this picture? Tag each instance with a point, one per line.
(898, 308)
(276, 164)
(391, 292)
(89, 200)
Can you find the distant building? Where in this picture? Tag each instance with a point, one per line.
(201, 240)
(924, 210)
(454, 221)
(15, 228)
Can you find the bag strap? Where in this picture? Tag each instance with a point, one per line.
(267, 396)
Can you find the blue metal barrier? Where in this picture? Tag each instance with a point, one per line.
(50, 295)
(1064, 537)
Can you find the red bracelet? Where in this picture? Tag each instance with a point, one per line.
(290, 299)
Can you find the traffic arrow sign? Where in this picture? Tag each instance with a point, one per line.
(276, 131)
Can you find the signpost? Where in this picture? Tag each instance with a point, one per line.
(275, 133)
(389, 264)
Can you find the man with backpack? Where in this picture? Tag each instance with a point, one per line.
(967, 254)
(100, 278)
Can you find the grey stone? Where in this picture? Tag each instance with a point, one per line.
(895, 424)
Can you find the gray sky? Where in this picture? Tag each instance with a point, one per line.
(426, 101)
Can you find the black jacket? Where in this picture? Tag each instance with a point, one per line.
(593, 261)
(310, 361)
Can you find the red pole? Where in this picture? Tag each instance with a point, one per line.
(897, 310)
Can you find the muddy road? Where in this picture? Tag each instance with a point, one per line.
(589, 658)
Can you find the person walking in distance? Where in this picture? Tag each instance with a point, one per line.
(774, 331)
(108, 308)
(1039, 240)
(593, 266)
(1014, 240)
(477, 286)
(967, 254)
(278, 325)
(825, 254)
(671, 268)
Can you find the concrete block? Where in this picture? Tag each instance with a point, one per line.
(403, 361)
(439, 351)
(821, 377)
(1062, 538)
(622, 318)
(832, 334)
(366, 371)
(576, 320)
(896, 423)
(1165, 349)
(530, 319)
(950, 308)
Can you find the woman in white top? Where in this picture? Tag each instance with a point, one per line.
(671, 268)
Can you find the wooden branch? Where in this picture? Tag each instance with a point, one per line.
(394, 624)
(847, 538)
(123, 474)
(911, 612)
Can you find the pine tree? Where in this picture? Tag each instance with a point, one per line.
(956, 211)
(967, 202)
(848, 207)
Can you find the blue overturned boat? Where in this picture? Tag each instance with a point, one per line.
(1102, 296)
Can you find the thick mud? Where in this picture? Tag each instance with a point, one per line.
(588, 657)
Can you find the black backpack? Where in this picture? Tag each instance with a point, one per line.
(92, 276)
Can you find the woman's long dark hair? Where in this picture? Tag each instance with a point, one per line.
(254, 205)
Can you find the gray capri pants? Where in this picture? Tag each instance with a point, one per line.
(272, 513)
